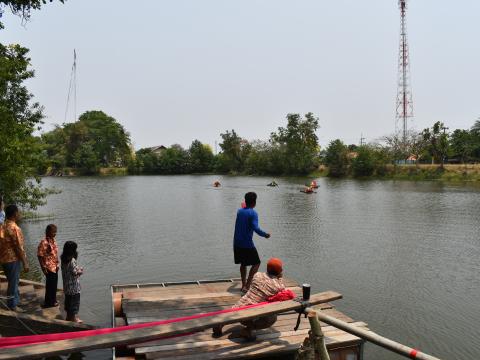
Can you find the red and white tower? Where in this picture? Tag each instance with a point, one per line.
(404, 92)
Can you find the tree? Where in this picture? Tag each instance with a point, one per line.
(22, 8)
(396, 146)
(461, 143)
(201, 157)
(234, 152)
(365, 162)
(110, 139)
(416, 145)
(300, 142)
(336, 158)
(476, 126)
(107, 138)
(20, 117)
(174, 160)
(265, 158)
(437, 140)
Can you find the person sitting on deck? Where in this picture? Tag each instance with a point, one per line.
(264, 286)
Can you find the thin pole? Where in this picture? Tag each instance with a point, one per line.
(373, 337)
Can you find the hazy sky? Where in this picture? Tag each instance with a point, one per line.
(173, 71)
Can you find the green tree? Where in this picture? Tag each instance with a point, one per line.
(265, 158)
(336, 158)
(110, 139)
(19, 118)
(107, 138)
(174, 160)
(234, 153)
(22, 8)
(416, 146)
(437, 140)
(462, 145)
(201, 157)
(300, 142)
(365, 162)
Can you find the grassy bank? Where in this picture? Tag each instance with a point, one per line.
(450, 172)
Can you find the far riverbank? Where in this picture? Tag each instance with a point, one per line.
(421, 172)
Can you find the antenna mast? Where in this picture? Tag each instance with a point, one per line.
(404, 109)
(72, 88)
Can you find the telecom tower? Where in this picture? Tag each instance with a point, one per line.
(404, 92)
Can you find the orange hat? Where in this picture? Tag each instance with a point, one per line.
(274, 266)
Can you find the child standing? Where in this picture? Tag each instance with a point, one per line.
(71, 285)
(48, 257)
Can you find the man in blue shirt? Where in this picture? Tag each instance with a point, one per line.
(244, 249)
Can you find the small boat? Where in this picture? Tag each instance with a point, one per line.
(272, 184)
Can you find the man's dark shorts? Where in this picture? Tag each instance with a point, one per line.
(246, 257)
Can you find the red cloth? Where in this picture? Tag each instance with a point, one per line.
(15, 341)
(284, 295)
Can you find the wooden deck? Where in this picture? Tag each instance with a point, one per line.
(41, 321)
(151, 302)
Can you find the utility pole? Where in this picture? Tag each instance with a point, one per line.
(362, 140)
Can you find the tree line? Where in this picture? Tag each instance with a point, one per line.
(291, 150)
(433, 145)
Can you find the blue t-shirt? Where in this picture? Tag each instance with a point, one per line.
(2, 217)
(245, 225)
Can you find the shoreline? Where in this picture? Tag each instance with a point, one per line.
(456, 173)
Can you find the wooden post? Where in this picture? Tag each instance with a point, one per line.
(317, 336)
(313, 347)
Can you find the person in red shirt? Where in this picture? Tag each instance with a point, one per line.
(48, 258)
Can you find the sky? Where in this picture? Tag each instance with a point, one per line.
(178, 70)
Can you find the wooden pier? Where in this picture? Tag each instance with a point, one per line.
(35, 319)
(141, 303)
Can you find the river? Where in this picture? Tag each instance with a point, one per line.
(405, 255)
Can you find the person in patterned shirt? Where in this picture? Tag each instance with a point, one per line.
(48, 257)
(71, 285)
(12, 254)
(264, 285)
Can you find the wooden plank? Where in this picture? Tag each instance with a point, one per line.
(262, 335)
(131, 320)
(181, 297)
(271, 348)
(152, 333)
(190, 289)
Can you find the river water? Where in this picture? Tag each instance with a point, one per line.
(405, 255)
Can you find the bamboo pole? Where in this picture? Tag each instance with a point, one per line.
(373, 337)
(313, 347)
(317, 336)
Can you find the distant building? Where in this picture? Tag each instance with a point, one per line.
(157, 149)
(352, 155)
